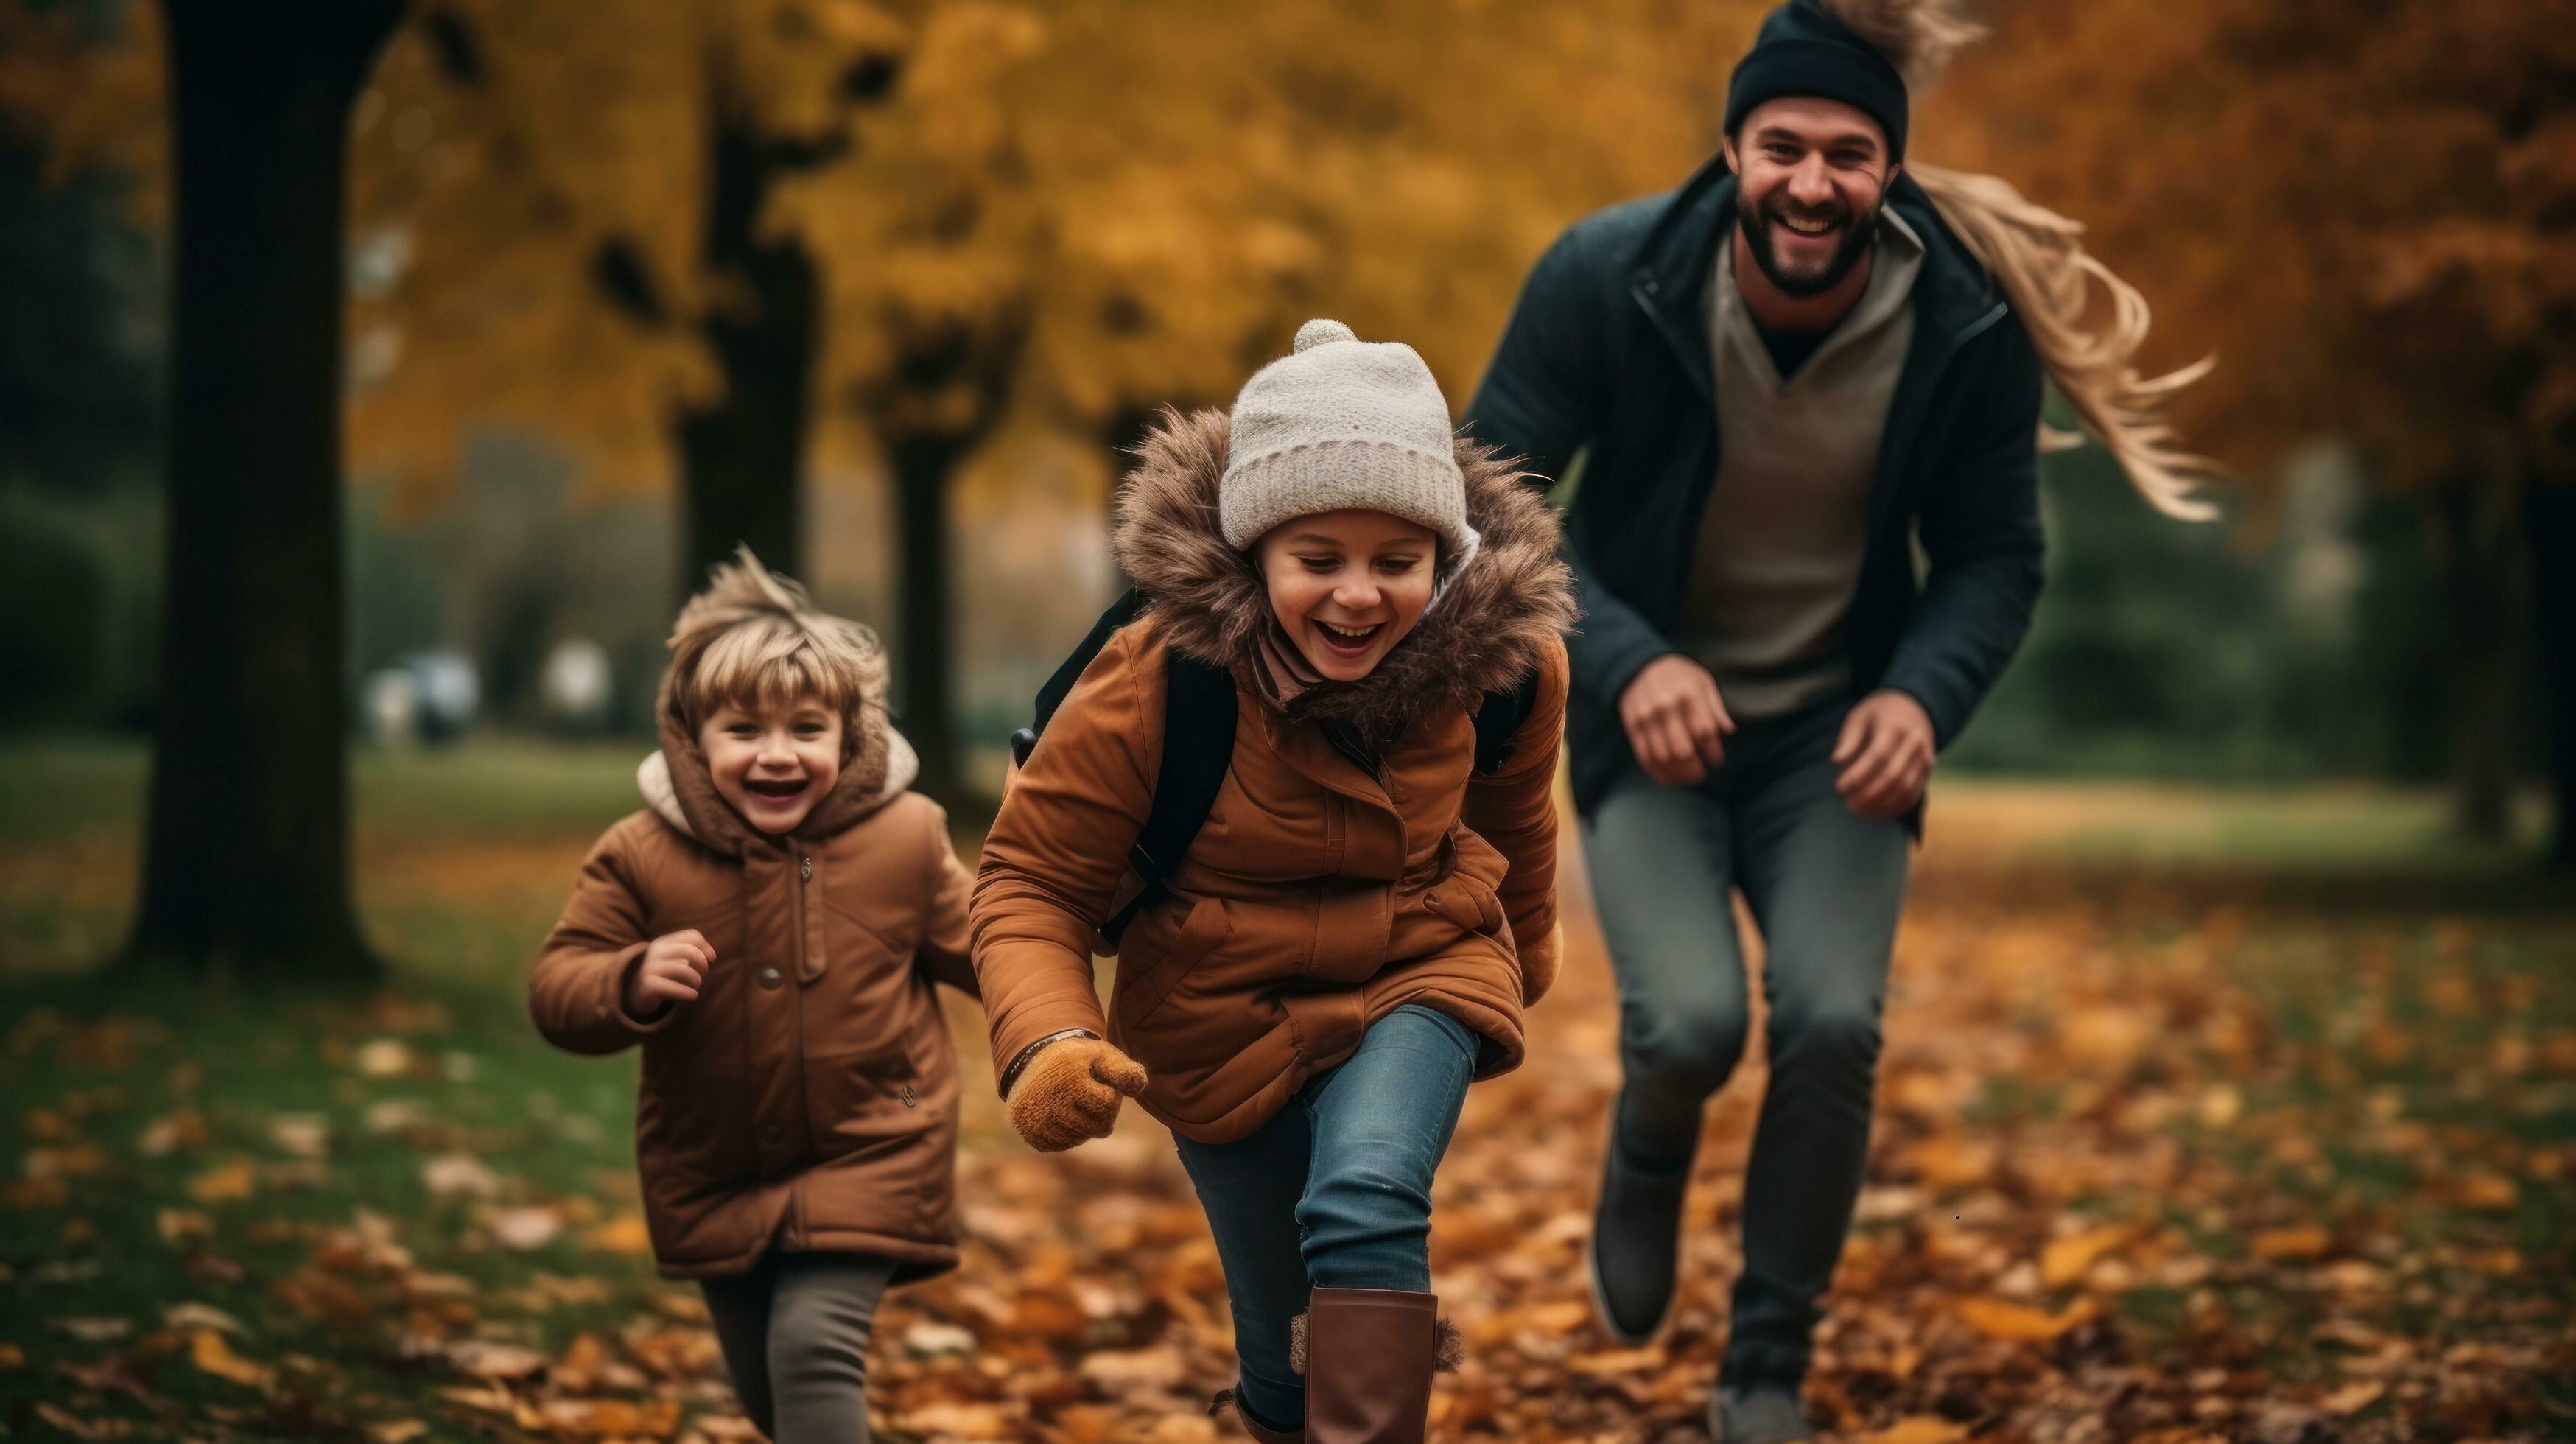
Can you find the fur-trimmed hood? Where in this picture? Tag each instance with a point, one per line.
(1487, 625)
(682, 792)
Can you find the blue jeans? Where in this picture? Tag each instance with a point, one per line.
(1333, 1192)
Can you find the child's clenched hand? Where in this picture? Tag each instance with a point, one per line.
(1071, 1091)
(671, 970)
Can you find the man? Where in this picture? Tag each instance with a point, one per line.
(1784, 376)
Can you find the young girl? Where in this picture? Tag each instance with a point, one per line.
(769, 927)
(1363, 915)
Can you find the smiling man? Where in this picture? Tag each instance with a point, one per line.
(1784, 377)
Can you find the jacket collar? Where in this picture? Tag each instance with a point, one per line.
(1487, 628)
(1668, 274)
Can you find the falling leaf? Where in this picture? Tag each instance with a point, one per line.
(208, 1351)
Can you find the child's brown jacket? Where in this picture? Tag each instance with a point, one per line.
(807, 1100)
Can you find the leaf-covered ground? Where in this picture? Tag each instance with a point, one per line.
(2201, 1117)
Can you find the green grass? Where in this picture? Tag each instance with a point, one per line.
(464, 855)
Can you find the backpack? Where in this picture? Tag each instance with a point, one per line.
(1198, 747)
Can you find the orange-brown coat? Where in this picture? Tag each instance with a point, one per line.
(1322, 892)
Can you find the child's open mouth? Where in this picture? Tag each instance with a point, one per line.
(1347, 641)
(775, 790)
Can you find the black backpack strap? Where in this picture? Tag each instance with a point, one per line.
(1497, 718)
(1198, 747)
(1052, 695)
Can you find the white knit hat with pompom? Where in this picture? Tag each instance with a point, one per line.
(1343, 423)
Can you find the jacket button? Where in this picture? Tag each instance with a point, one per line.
(769, 977)
(772, 1134)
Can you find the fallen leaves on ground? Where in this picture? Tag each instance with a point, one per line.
(2156, 1159)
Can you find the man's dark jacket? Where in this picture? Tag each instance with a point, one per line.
(1608, 350)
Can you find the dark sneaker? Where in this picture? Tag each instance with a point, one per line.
(1758, 1414)
(1636, 1243)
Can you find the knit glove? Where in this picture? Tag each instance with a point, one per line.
(1070, 1092)
(1538, 966)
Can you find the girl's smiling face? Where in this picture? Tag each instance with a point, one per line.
(772, 766)
(1348, 585)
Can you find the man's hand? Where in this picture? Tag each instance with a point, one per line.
(1677, 725)
(671, 971)
(1885, 754)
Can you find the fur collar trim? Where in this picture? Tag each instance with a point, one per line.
(1488, 624)
(682, 792)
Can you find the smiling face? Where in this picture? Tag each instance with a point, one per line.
(1348, 585)
(772, 764)
(1813, 175)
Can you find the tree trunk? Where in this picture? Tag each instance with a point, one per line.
(744, 452)
(925, 434)
(2550, 524)
(2479, 563)
(926, 638)
(246, 862)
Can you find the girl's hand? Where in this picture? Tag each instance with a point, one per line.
(1070, 1092)
(673, 968)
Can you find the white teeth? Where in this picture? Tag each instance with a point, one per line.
(1351, 632)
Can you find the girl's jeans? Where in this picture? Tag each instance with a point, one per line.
(1333, 1192)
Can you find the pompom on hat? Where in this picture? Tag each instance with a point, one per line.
(1338, 424)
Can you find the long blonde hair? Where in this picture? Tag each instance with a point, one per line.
(2038, 257)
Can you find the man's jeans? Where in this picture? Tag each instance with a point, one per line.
(1824, 886)
(1333, 1192)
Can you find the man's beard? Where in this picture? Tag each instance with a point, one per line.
(1759, 223)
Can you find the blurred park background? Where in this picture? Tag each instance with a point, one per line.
(376, 376)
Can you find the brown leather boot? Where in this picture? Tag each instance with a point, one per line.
(1369, 1357)
(1228, 1399)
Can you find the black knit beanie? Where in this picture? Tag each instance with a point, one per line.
(1803, 50)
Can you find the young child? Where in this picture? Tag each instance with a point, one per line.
(1355, 930)
(769, 927)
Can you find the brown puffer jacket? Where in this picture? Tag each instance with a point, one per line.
(807, 1100)
(1318, 897)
